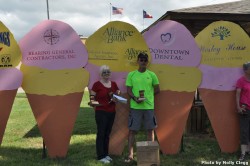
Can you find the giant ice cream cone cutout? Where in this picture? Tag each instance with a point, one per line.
(117, 45)
(10, 77)
(175, 60)
(54, 80)
(224, 47)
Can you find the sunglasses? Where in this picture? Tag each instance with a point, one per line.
(143, 60)
(106, 72)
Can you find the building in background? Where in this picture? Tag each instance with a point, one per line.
(197, 18)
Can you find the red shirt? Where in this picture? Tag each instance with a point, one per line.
(244, 85)
(103, 97)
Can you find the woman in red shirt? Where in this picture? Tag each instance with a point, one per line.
(102, 91)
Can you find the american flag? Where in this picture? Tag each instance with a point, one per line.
(146, 15)
(117, 10)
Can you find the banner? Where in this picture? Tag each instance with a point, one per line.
(117, 45)
(175, 60)
(54, 80)
(10, 77)
(225, 46)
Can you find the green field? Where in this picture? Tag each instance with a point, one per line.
(22, 143)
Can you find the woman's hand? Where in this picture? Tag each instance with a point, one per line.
(114, 99)
(90, 104)
(241, 110)
(118, 92)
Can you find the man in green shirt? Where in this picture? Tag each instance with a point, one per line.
(142, 85)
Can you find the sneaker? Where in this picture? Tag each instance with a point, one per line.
(242, 157)
(108, 158)
(105, 161)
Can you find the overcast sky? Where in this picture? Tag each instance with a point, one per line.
(86, 16)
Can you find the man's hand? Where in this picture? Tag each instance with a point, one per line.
(136, 99)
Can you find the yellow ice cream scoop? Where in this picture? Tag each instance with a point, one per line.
(53, 82)
(223, 44)
(177, 78)
(10, 54)
(117, 45)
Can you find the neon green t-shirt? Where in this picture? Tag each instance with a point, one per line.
(142, 81)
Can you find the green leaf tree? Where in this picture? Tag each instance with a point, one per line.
(222, 32)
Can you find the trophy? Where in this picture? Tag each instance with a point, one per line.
(141, 95)
(92, 101)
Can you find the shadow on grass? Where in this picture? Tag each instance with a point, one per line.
(197, 150)
(78, 154)
(85, 124)
(82, 154)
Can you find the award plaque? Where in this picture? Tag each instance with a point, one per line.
(93, 102)
(141, 94)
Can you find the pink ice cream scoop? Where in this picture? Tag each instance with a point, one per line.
(168, 45)
(10, 78)
(47, 46)
(226, 78)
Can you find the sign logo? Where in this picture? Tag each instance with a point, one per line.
(5, 60)
(167, 38)
(5, 38)
(115, 35)
(221, 32)
(51, 36)
(132, 53)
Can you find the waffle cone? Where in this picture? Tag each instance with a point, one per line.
(171, 110)
(119, 133)
(7, 98)
(56, 116)
(221, 110)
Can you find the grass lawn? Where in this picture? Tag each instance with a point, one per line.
(22, 143)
